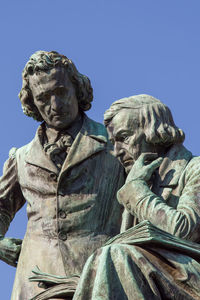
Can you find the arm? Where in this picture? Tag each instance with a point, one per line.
(11, 200)
(184, 221)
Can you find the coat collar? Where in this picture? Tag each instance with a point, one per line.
(170, 170)
(91, 139)
(173, 165)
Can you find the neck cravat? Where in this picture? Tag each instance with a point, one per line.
(58, 151)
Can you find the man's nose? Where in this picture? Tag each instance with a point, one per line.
(56, 103)
(118, 149)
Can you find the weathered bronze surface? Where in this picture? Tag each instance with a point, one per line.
(78, 244)
(162, 187)
(67, 175)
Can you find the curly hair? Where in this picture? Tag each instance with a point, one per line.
(154, 117)
(45, 61)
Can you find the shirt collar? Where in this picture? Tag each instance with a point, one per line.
(48, 134)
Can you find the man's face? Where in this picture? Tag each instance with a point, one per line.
(55, 97)
(128, 138)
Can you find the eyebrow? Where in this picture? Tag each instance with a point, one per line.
(43, 93)
(40, 95)
(116, 134)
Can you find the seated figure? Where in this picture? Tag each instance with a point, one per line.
(162, 187)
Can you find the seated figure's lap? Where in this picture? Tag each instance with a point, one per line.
(120, 271)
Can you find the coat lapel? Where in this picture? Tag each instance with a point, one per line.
(91, 139)
(36, 156)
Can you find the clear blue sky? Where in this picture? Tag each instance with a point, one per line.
(126, 47)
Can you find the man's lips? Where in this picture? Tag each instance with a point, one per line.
(127, 162)
(59, 115)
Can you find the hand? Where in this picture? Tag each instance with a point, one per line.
(9, 250)
(144, 167)
(46, 280)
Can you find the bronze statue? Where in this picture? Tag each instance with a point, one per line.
(66, 174)
(157, 255)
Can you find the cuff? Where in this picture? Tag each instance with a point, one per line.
(132, 193)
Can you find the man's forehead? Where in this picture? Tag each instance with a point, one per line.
(59, 75)
(125, 120)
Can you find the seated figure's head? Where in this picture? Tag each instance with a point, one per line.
(51, 87)
(140, 124)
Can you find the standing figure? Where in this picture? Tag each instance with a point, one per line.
(162, 187)
(66, 174)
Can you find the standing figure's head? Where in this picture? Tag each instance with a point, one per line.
(53, 90)
(140, 124)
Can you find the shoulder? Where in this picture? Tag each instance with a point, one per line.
(95, 128)
(194, 163)
(192, 171)
(15, 153)
(12, 152)
(22, 151)
(98, 131)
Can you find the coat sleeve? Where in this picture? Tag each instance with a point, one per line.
(184, 221)
(11, 198)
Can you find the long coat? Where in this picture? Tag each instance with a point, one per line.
(127, 272)
(71, 213)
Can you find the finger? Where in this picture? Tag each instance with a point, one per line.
(13, 264)
(10, 254)
(156, 163)
(12, 257)
(18, 249)
(18, 242)
(10, 248)
(42, 285)
(9, 261)
(147, 156)
(15, 241)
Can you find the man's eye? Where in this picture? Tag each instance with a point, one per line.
(43, 98)
(126, 139)
(112, 141)
(46, 97)
(60, 92)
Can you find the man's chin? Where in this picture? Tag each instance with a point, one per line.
(127, 164)
(58, 125)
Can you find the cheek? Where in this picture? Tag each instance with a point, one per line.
(133, 145)
(74, 105)
(135, 151)
(69, 102)
(135, 148)
(43, 109)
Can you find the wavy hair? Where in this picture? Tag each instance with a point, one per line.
(45, 61)
(154, 117)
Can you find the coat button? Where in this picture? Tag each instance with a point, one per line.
(53, 176)
(62, 235)
(62, 214)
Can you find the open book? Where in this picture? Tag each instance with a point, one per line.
(146, 233)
